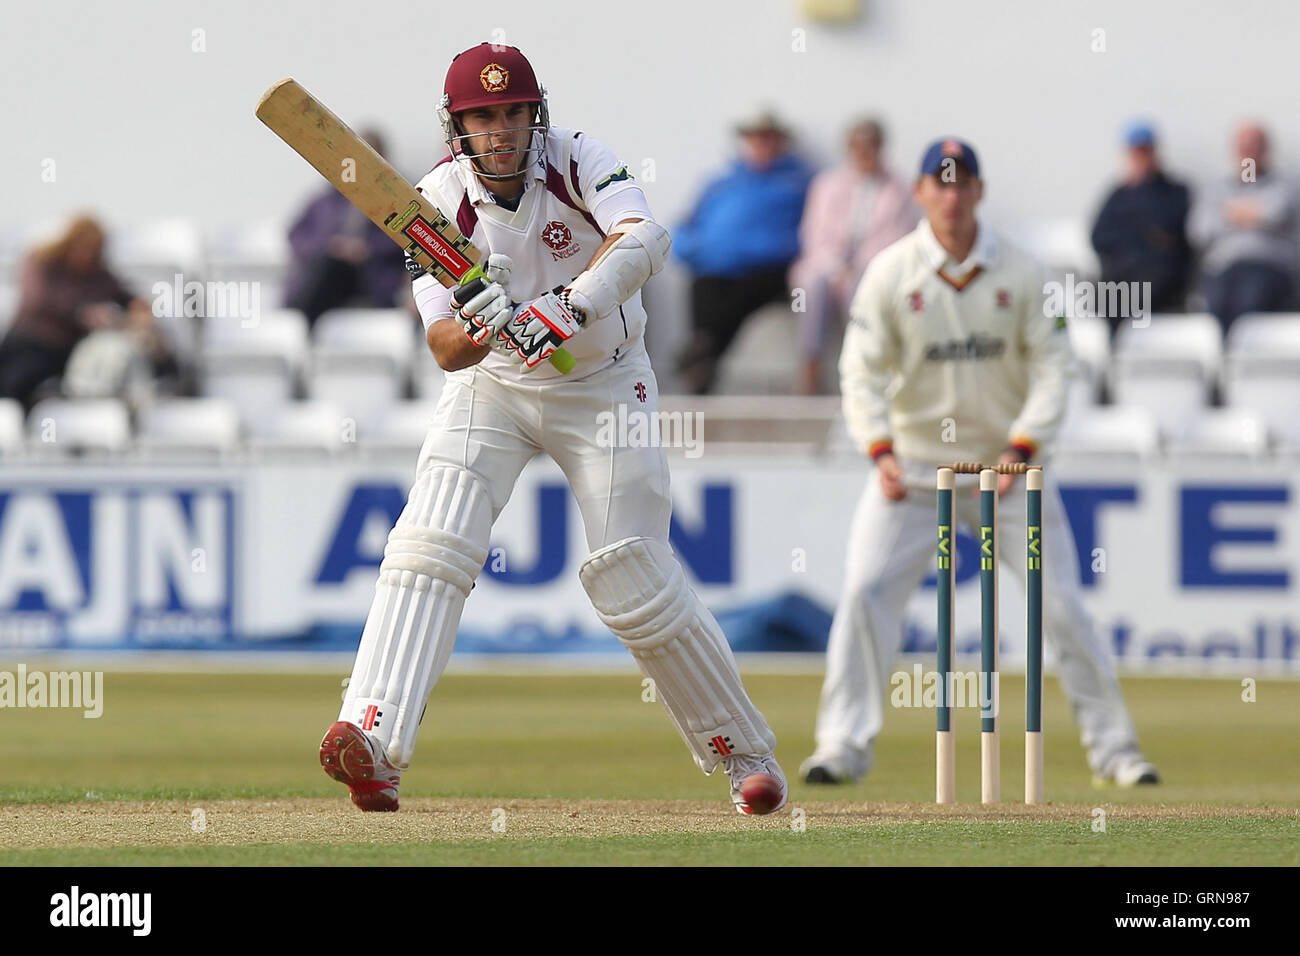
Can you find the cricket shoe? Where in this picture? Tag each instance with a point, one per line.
(757, 784)
(349, 757)
(832, 769)
(1128, 770)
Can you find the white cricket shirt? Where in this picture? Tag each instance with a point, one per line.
(568, 206)
(938, 350)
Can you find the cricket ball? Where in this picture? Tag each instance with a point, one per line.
(761, 793)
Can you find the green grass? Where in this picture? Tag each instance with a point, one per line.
(1239, 842)
(185, 737)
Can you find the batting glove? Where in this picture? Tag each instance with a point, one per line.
(538, 328)
(488, 307)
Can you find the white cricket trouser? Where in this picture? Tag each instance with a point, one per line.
(494, 428)
(483, 434)
(891, 546)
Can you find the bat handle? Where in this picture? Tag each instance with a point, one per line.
(474, 282)
(467, 290)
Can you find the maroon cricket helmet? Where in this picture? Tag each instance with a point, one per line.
(491, 74)
(488, 74)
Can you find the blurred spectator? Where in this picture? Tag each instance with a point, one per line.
(739, 242)
(1245, 225)
(66, 293)
(1141, 232)
(853, 212)
(342, 258)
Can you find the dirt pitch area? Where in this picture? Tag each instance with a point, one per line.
(332, 821)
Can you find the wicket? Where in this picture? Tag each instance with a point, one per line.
(990, 741)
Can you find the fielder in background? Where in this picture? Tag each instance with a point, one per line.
(570, 235)
(949, 356)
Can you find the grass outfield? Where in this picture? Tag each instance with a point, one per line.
(578, 769)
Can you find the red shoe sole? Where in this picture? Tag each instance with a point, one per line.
(345, 755)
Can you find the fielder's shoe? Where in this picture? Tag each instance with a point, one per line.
(348, 756)
(832, 769)
(756, 779)
(1128, 770)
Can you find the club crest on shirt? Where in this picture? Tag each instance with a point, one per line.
(1003, 299)
(495, 78)
(557, 235)
(916, 302)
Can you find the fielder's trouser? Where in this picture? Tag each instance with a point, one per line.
(891, 546)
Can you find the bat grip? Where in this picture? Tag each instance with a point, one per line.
(474, 282)
(467, 291)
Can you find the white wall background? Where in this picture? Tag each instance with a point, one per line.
(142, 127)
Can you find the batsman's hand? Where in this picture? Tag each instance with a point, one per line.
(498, 269)
(486, 311)
(537, 329)
(891, 477)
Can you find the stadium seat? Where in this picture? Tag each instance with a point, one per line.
(306, 426)
(1168, 366)
(427, 377)
(255, 367)
(280, 332)
(205, 425)
(359, 384)
(1262, 371)
(1090, 340)
(1110, 431)
(373, 331)
(11, 427)
(1219, 433)
(257, 385)
(59, 426)
(764, 357)
(1266, 334)
(156, 252)
(254, 252)
(401, 426)
(1062, 245)
(1197, 338)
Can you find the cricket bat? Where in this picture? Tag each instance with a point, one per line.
(352, 167)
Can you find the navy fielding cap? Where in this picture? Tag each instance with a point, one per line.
(1139, 134)
(954, 149)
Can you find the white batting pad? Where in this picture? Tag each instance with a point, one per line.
(434, 553)
(639, 590)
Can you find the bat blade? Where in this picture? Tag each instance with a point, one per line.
(371, 184)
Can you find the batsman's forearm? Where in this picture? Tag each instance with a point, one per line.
(451, 347)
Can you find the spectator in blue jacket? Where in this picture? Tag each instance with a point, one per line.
(739, 242)
(1141, 232)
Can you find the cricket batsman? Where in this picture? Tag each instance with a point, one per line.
(949, 356)
(569, 235)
